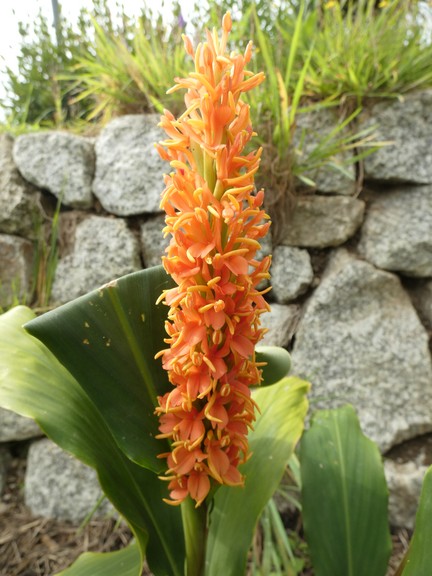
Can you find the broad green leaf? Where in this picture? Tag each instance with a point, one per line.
(344, 496)
(120, 563)
(236, 510)
(34, 384)
(418, 560)
(107, 339)
(278, 363)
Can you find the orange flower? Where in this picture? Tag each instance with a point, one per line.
(215, 220)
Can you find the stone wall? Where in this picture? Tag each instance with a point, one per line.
(352, 276)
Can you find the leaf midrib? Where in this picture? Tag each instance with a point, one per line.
(135, 349)
(346, 516)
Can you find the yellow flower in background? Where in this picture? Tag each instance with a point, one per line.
(215, 219)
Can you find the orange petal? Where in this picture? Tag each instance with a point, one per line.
(218, 462)
(233, 477)
(237, 265)
(177, 491)
(198, 486)
(242, 345)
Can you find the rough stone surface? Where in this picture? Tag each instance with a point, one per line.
(129, 171)
(20, 208)
(405, 466)
(104, 249)
(291, 273)
(266, 247)
(361, 342)
(421, 296)
(59, 486)
(281, 323)
(265, 250)
(16, 269)
(338, 175)
(406, 124)
(320, 221)
(59, 162)
(14, 427)
(4, 463)
(397, 231)
(404, 481)
(152, 241)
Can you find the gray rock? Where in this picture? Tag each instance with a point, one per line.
(60, 162)
(421, 296)
(20, 208)
(313, 129)
(16, 269)
(406, 124)
(60, 486)
(14, 427)
(320, 222)
(405, 466)
(281, 323)
(291, 273)
(404, 481)
(104, 249)
(397, 231)
(361, 342)
(266, 247)
(265, 250)
(129, 171)
(153, 242)
(5, 458)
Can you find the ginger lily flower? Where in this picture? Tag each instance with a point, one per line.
(215, 220)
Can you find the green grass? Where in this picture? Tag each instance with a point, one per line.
(364, 52)
(119, 78)
(287, 57)
(45, 264)
(44, 267)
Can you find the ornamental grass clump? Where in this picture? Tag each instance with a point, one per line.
(216, 220)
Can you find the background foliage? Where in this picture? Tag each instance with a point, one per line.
(111, 63)
(315, 53)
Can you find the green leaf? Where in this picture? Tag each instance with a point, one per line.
(344, 496)
(278, 363)
(126, 562)
(236, 510)
(34, 384)
(107, 339)
(418, 560)
(294, 45)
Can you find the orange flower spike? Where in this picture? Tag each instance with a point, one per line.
(215, 221)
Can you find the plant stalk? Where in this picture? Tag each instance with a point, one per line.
(195, 531)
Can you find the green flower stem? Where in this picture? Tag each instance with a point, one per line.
(209, 171)
(195, 531)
